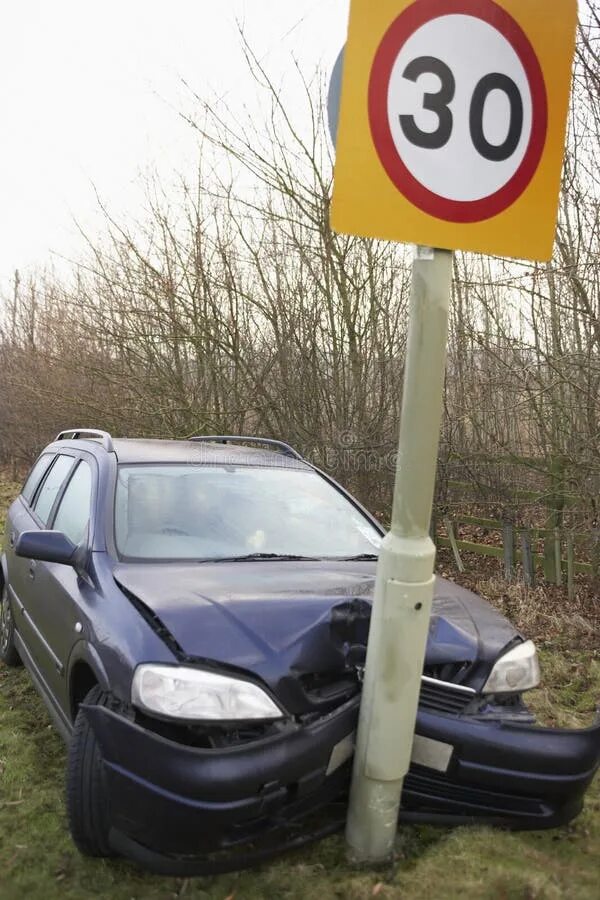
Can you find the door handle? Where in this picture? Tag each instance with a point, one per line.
(12, 539)
(32, 568)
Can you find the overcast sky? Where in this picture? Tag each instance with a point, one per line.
(89, 91)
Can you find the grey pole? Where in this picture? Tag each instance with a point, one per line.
(404, 583)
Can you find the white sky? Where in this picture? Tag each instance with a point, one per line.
(89, 91)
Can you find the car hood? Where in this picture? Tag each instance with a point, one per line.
(279, 619)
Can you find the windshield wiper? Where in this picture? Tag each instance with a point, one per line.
(360, 557)
(249, 557)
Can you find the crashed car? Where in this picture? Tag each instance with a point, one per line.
(195, 615)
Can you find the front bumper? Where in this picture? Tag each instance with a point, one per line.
(172, 805)
(502, 773)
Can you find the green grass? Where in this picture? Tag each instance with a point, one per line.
(38, 860)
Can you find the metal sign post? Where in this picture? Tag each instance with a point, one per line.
(451, 133)
(404, 585)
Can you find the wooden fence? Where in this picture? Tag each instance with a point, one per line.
(514, 545)
(536, 515)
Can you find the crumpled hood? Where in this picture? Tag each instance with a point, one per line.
(277, 618)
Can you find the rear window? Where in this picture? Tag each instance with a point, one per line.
(176, 512)
(35, 476)
(50, 488)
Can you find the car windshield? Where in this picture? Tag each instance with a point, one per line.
(177, 512)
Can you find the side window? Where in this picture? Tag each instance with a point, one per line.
(74, 510)
(35, 476)
(51, 486)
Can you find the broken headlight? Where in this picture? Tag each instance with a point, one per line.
(516, 671)
(177, 692)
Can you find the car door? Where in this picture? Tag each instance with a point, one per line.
(55, 595)
(20, 519)
(24, 572)
(46, 477)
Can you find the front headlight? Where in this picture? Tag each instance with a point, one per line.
(516, 671)
(177, 692)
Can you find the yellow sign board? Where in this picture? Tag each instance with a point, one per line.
(452, 123)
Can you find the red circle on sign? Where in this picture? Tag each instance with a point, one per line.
(414, 17)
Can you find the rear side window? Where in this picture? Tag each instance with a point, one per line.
(35, 476)
(74, 511)
(52, 484)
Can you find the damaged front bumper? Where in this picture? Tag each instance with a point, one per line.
(172, 805)
(502, 773)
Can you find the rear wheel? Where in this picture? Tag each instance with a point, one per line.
(87, 798)
(8, 651)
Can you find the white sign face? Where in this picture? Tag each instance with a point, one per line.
(459, 108)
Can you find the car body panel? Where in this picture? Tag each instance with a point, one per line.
(19, 520)
(114, 638)
(274, 618)
(55, 612)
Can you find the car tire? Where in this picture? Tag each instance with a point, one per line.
(8, 651)
(87, 797)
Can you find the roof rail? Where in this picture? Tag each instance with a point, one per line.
(241, 438)
(75, 434)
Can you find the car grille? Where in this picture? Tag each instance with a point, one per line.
(425, 790)
(436, 695)
(444, 697)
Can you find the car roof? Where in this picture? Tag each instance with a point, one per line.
(132, 451)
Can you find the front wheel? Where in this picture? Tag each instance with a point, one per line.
(8, 651)
(87, 799)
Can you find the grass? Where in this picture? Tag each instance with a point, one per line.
(38, 860)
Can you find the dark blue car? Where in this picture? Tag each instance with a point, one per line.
(195, 615)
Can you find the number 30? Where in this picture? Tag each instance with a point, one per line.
(439, 103)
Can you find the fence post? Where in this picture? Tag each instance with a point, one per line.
(557, 557)
(554, 505)
(595, 553)
(527, 556)
(453, 543)
(508, 542)
(570, 567)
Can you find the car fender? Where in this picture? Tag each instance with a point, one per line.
(3, 569)
(85, 652)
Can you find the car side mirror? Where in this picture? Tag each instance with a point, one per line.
(48, 546)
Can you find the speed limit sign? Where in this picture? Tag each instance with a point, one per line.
(452, 122)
